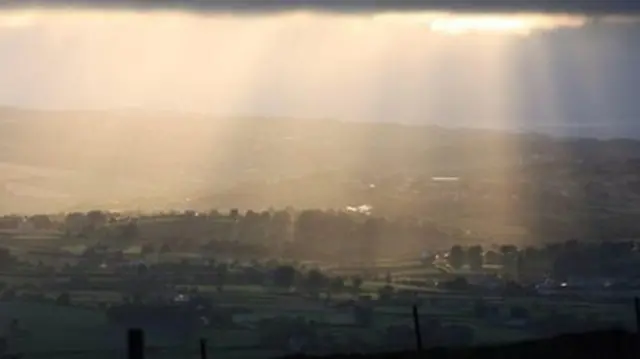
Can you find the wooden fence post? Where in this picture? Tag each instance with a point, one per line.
(416, 327)
(136, 344)
(203, 348)
(636, 301)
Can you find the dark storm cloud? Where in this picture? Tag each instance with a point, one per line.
(592, 7)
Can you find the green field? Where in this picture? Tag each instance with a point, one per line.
(59, 328)
(55, 328)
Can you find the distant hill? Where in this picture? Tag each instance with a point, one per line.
(61, 161)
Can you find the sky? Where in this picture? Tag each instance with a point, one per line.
(546, 6)
(558, 65)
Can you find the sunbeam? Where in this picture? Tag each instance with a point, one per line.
(292, 174)
(385, 67)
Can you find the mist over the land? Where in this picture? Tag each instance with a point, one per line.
(563, 74)
(175, 108)
(277, 178)
(66, 161)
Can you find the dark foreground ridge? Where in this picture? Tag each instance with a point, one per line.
(609, 344)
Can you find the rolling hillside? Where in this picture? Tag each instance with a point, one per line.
(61, 161)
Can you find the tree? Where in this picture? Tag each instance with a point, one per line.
(251, 228)
(222, 272)
(166, 248)
(480, 308)
(284, 276)
(280, 228)
(41, 221)
(370, 237)
(509, 259)
(309, 228)
(3, 347)
(474, 257)
(385, 293)
(253, 275)
(520, 313)
(513, 289)
(129, 231)
(64, 299)
(458, 283)
(6, 259)
(508, 250)
(356, 284)
(456, 257)
(75, 221)
(458, 335)
(399, 336)
(147, 248)
(9, 295)
(336, 285)
(142, 269)
(96, 218)
(492, 258)
(315, 281)
(363, 315)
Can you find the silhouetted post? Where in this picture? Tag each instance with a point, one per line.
(203, 348)
(416, 325)
(636, 301)
(136, 344)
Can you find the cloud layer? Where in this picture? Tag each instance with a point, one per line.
(565, 71)
(304, 65)
(591, 7)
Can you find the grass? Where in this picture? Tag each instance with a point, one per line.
(56, 328)
(38, 315)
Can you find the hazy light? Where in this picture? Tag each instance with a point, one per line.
(362, 209)
(387, 66)
(445, 179)
(17, 19)
(505, 24)
(457, 26)
(233, 64)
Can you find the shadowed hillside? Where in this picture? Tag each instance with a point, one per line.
(614, 344)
